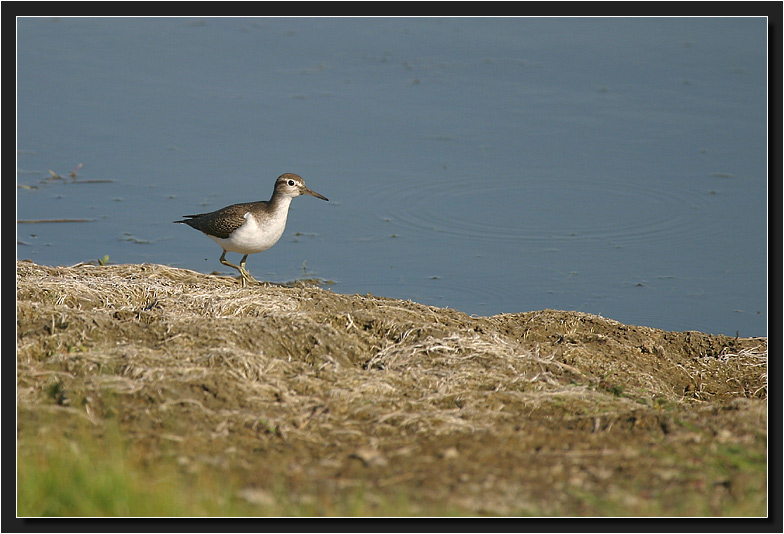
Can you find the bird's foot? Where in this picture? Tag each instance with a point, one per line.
(246, 278)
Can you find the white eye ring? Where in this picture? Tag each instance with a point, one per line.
(291, 182)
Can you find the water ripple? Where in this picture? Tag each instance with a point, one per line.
(545, 210)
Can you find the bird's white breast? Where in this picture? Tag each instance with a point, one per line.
(255, 235)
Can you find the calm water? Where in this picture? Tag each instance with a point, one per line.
(612, 166)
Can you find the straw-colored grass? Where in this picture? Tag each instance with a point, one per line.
(340, 397)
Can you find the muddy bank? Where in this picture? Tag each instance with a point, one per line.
(544, 412)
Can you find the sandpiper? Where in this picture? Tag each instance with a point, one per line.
(251, 227)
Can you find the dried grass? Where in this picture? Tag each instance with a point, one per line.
(196, 359)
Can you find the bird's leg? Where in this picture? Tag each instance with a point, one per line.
(244, 274)
(224, 261)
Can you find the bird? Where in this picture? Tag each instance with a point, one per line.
(251, 227)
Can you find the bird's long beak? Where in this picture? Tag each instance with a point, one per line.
(306, 191)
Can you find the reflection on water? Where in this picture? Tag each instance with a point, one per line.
(613, 166)
(521, 210)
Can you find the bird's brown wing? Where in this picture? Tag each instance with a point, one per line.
(220, 223)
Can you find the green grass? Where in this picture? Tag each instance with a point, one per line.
(86, 476)
(90, 478)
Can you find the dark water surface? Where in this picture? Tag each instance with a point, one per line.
(612, 166)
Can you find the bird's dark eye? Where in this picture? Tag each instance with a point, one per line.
(291, 182)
